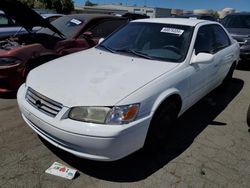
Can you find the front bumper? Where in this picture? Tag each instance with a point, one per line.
(86, 140)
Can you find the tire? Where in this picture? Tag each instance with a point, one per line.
(229, 75)
(160, 126)
(248, 117)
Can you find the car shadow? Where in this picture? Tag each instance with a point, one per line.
(11, 95)
(243, 65)
(142, 163)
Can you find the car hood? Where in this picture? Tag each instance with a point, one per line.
(94, 77)
(25, 16)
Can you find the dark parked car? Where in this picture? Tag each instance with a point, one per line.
(134, 16)
(197, 16)
(65, 35)
(238, 25)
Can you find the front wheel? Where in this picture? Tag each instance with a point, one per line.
(160, 126)
(229, 75)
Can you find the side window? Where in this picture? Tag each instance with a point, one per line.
(6, 22)
(221, 38)
(3, 20)
(204, 40)
(104, 28)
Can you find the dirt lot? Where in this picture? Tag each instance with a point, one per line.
(208, 147)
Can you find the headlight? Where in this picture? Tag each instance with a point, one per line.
(105, 115)
(9, 61)
(122, 114)
(89, 114)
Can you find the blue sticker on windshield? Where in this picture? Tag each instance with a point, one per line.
(172, 31)
(75, 21)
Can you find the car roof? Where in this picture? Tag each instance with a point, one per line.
(91, 16)
(175, 21)
(239, 13)
(47, 15)
(193, 15)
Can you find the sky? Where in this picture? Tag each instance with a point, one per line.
(239, 5)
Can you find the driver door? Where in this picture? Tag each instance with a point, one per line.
(201, 76)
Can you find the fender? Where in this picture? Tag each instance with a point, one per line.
(163, 96)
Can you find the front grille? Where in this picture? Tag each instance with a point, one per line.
(42, 103)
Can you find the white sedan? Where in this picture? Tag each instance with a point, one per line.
(109, 101)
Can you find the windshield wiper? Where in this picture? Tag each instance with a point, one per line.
(137, 53)
(106, 47)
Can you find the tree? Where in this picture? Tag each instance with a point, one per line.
(39, 4)
(48, 3)
(216, 15)
(89, 3)
(61, 6)
(67, 6)
(29, 3)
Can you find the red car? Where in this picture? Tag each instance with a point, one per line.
(21, 53)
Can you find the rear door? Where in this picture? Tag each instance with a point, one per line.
(224, 51)
(212, 39)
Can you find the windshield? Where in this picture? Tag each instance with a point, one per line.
(151, 40)
(236, 21)
(67, 25)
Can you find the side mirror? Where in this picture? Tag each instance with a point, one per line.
(100, 40)
(202, 58)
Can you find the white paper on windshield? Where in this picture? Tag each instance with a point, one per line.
(75, 21)
(172, 31)
(58, 169)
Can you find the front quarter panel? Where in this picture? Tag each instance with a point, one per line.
(154, 93)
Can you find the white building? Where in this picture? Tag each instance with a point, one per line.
(121, 9)
(203, 11)
(149, 11)
(226, 11)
